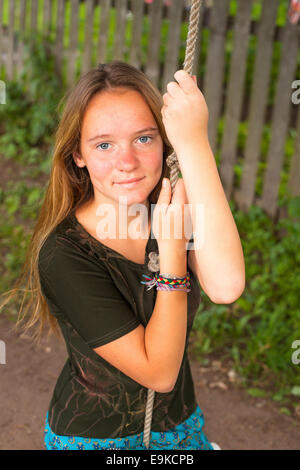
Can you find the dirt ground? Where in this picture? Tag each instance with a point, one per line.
(233, 419)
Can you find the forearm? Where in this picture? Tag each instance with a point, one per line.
(219, 251)
(165, 334)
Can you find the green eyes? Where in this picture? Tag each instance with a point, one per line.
(144, 139)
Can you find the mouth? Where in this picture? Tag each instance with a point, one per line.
(130, 183)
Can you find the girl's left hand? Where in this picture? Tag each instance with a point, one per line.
(185, 112)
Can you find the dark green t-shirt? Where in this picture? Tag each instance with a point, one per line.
(96, 295)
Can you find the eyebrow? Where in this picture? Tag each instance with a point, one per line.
(100, 136)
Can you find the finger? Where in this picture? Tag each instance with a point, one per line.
(185, 81)
(174, 89)
(165, 192)
(163, 112)
(179, 194)
(166, 98)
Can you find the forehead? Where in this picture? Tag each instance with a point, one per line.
(118, 109)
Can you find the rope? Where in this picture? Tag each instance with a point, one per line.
(173, 164)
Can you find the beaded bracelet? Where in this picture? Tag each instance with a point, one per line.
(168, 282)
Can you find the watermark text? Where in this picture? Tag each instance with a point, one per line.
(174, 223)
(296, 354)
(2, 353)
(296, 94)
(2, 92)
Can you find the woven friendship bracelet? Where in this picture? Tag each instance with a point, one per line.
(168, 282)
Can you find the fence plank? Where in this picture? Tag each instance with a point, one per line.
(23, 9)
(135, 57)
(73, 50)
(234, 95)
(22, 30)
(153, 62)
(281, 114)
(47, 15)
(173, 42)
(10, 43)
(121, 16)
(60, 20)
(214, 75)
(244, 196)
(88, 36)
(104, 28)
(34, 15)
(294, 176)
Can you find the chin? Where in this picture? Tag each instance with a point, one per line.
(132, 200)
(134, 197)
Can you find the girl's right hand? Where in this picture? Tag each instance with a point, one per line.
(168, 218)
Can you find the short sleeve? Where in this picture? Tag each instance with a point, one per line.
(83, 292)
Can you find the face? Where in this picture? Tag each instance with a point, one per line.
(120, 141)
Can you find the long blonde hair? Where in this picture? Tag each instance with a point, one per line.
(69, 186)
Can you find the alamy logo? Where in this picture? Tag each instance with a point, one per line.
(296, 94)
(137, 228)
(2, 92)
(296, 354)
(2, 353)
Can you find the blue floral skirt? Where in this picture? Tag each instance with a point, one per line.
(186, 436)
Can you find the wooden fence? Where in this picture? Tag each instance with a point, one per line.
(222, 82)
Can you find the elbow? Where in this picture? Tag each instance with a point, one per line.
(165, 388)
(230, 295)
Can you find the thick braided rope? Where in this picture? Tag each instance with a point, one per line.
(172, 161)
(173, 164)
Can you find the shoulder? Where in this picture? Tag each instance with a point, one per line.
(66, 245)
(57, 237)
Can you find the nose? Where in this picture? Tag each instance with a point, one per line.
(127, 159)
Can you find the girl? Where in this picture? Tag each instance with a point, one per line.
(123, 337)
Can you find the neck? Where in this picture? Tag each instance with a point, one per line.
(122, 222)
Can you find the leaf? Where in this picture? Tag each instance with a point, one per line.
(277, 397)
(235, 353)
(12, 203)
(34, 195)
(256, 392)
(285, 411)
(242, 323)
(296, 391)
(294, 207)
